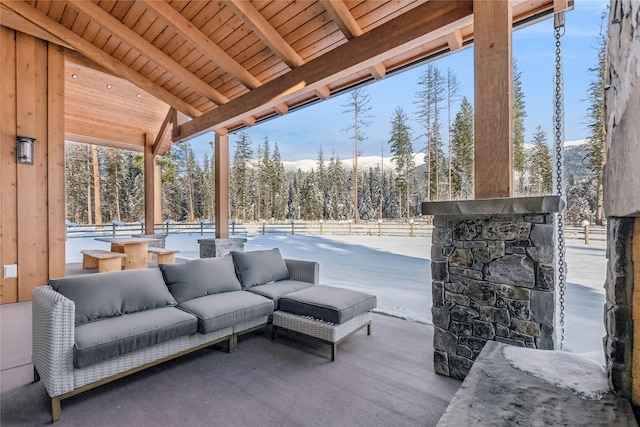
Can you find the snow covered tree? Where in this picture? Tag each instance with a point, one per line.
(278, 186)
(358, 104)
(540, 168)
(402, 150)
(519, 113)
(433, 88)
(462, 151)
(596, 148)
(453, 90)
(239, 197)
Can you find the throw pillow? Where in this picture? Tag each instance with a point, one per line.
(259, 267)
(200, 277)
(101, 295)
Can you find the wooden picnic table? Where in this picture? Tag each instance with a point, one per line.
(136, 250)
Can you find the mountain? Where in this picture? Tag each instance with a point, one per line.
(364, 163)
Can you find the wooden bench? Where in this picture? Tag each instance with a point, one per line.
(103, 260)
(165, 256)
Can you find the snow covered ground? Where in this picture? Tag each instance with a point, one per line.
(397, 271)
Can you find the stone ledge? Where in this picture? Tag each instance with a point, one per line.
(517, 205)
(496, 394)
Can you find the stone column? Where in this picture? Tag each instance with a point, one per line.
(622, 201)
(216, 248)
(493, 277)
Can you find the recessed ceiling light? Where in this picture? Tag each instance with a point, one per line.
(75, 76)
(109, 86)
(138, 95)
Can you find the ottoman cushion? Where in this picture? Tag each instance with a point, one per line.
(335, 305)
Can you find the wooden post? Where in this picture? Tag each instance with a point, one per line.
(635, 313)
(149, 184)
(222, 186)
(493, 98)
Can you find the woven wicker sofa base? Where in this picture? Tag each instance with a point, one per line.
(327, 332)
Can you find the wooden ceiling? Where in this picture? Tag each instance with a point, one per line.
(230, 64)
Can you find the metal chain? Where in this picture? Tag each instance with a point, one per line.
(558, 123)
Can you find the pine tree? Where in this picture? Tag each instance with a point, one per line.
(323, 187)
(462, 151)
(519, 113)
(596, 148)
(114, 167)
(432, 85)
(453, 89)
(358, 104)
(278, 185)
(239, 197)
(338, 190)
(78, 182)
(540, 168)
(402, 150)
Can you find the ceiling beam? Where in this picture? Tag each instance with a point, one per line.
(454, 40)
(10, 19)
(176, 21)
(163, 129)
(378, 71)
(124, 33)
(281, 108)
(101, 58)
(339, 13)
(323, 92)
(427, 22)
(249, 121)
(245, 11)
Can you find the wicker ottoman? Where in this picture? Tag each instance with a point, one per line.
(327, 313)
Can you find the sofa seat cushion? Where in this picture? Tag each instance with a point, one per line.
(218, 311)
(335, 305)
(112, 337)
(256, 268)
(103, 295)
(275, 290)
(200, 277)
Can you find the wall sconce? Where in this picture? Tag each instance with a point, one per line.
(24, 149)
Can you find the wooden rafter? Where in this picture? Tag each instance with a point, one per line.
(204, 44)
(12, 20)
(90, 51)
(281, 108)
(267, 33)
(100, 16)
(249, 121)
(407, 31)
(378, 71)
(339, 13)
(454, 40)
(323, 92)
(163, 129)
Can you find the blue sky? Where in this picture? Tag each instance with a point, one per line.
(301, 133)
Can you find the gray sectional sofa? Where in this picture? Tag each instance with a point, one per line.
(92, 329)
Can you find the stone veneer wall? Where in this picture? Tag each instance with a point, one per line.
(493, 277)
(217, 248)
(618, 343)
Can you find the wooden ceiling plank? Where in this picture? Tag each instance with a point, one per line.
(267, 33)
(130, 37)
(100, 57)
(340, 15)
(429, 20)
(180, 24)
(12, 20)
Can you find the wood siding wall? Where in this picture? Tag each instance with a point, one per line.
(32, 230)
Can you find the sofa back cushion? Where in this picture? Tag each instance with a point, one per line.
(200, 277)
(101, 295)
(256, 268)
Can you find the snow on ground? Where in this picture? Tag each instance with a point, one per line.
(584, 377)
(397, 270)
